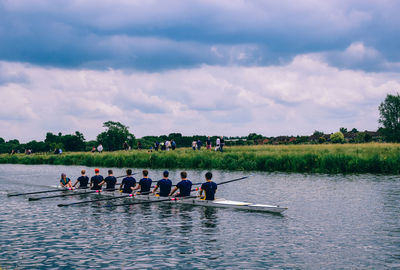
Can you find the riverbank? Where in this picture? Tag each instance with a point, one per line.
(341, 158)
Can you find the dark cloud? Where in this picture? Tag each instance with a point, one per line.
(159, 35)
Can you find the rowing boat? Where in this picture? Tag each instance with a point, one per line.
(219, 202)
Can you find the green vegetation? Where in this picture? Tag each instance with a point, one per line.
(389, 111)
(326, 158)
(337, 137)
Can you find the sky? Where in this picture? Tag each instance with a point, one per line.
(227, 67)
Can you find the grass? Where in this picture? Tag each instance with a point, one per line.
(379, 158)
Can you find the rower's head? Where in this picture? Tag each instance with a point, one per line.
(165, 174)
(96, 171)
(129, 172)
(110, 172)
(183, 175)
(145, 173)
(63, 175)
(208, 176)
(83, 172)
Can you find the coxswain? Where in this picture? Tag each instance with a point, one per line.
(110, 180)
(96, 180)
(164, 184)
(65, 181)
(184, 186)
(209, 188)
(144, 183)
(83, 180)
(127, 183)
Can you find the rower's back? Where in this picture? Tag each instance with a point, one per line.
(185, 186)
(128, 182)
(209, 188)
(83, 180)
(96, 180)
(110, 181)
(165, 185)
(145, 183)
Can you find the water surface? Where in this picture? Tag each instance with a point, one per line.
(333, 222)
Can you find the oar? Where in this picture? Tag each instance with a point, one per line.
(154, 201)
(102, 199)
(70, 194)
(229, 181)
(234, 180)
(48, 191)
(37, 192)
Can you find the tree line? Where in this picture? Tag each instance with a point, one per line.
(116, 135)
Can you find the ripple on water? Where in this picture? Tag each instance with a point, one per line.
(332, 222)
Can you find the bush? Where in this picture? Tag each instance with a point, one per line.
(337, 137)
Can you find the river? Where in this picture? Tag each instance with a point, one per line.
(332, 222)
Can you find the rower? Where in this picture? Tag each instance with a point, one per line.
(184, 186)
(65, 181)
(144, 183)
(164, 184)
(110, 180)
(127, 182)
(209, 188)
(83, 180)
(96, 180)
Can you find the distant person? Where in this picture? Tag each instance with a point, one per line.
(144, 183)
(110, 180)
(60, 151)
(164, 184)
(217, 144)
(208, 143)
(83, 180)
(13, 152)
(96, 180)
(65, 181)
(184, 186)
(167, 145)
(100, 148)
(199, 144)
(162, 146)
(126, 146)
(93, 149)
(127, 183)
(194, 145)
(209, 188)
(139, 145)
(222, 144)
(156, 146)
(173, 144)
(56, 151)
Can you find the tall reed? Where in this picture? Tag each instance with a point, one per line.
(346, 158)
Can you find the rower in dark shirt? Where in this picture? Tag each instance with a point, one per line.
(110, 180)
(127, 183)
(83, 180)
(144, 183)
(65, 181)
(209, 188)
(164, 184)
(96, 180)
(184, 186)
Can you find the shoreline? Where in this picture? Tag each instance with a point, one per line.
(376, 158)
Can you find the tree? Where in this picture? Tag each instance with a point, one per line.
(354, 130)
(318, 134)
(115, 135)
(337, 137)
(343, 130)
(389, 111)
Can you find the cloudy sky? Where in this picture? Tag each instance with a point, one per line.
(227, 67)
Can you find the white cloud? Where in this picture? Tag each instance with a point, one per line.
(297, 98)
